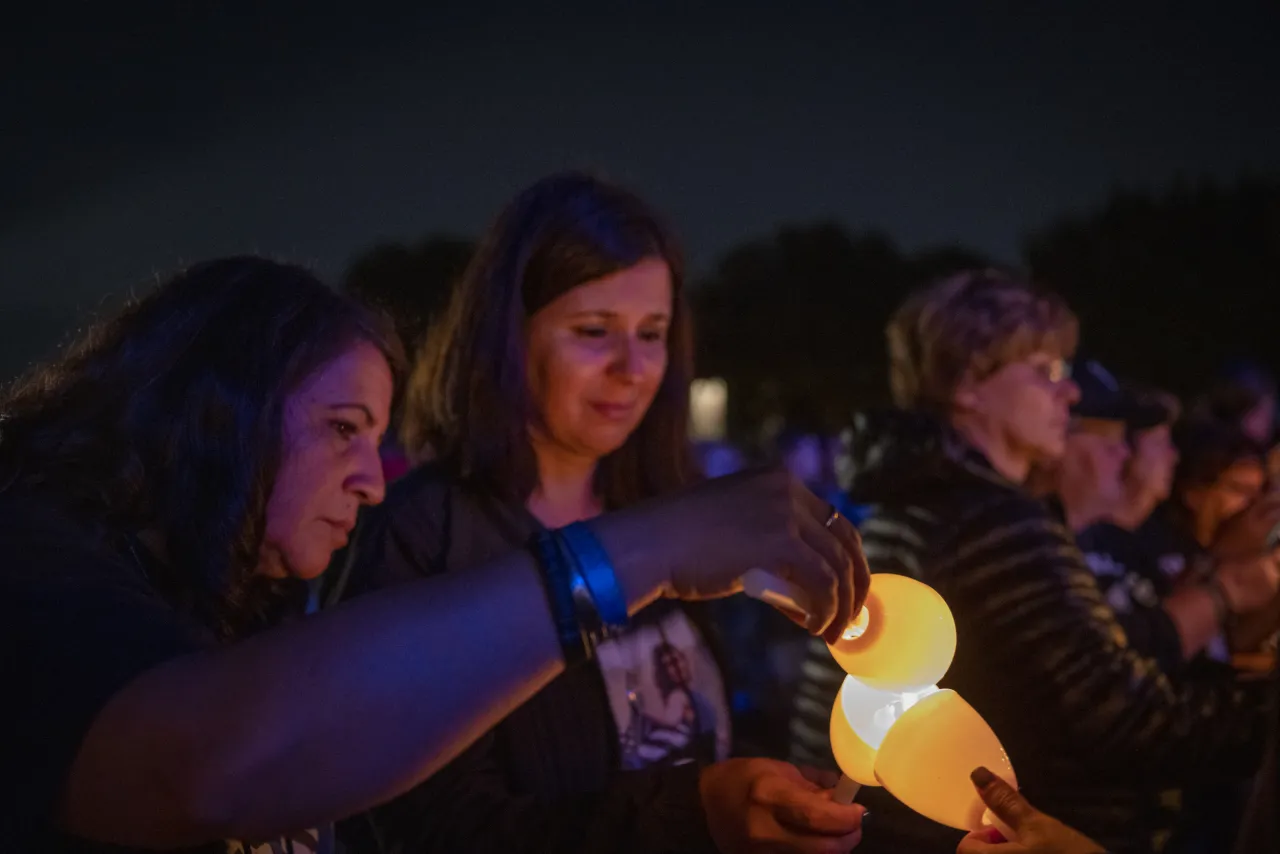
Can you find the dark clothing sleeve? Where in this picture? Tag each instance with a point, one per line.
(78, 627)
(472, 805)
(1032, 611)
(1134, 586)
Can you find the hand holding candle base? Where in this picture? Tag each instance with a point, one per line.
(762, 805)
(1020, 828)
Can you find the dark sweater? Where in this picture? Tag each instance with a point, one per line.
(1133, 584)
(547, 778)
(1094, 730)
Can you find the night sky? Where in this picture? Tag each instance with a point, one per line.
(135, 141)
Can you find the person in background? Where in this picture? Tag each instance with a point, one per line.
(554, 390)
(1171, 620)
(1196, 566)
(1222, 483)
(1087, 481)
(1220, 505)
(1129, 578)
(1221, 473)
(1219, 488)
(1148, 476)
(1244, 396)
(978, 374)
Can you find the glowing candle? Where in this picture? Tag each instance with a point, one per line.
(903, 639)
(861, 719)
(926, 756)
(891, 725)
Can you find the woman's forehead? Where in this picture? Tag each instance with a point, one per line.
(359, 374)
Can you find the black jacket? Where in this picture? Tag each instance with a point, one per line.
(545, 779)
(1093, 729)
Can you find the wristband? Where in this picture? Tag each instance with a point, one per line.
(558, 581)
(596, 569)
(590, 626)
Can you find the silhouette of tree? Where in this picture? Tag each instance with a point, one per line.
(1170, 285)
(795, 322)
(410, 282)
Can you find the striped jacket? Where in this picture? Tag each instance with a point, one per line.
(1095, 732)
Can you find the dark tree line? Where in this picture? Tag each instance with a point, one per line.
(1168, 286)
(410, 282)
(795, 322)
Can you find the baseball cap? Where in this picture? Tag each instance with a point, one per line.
(1103, 396)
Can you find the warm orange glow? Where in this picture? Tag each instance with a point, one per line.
(904, 638)
(927, 755)
(861, 718)
(856, 758)
(892, 726)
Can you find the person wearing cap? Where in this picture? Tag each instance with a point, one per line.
(1124, 435)
(1088, 480)
(1148, 476)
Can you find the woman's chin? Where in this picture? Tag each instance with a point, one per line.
(309, 569)
(304, 567)
(601, 445)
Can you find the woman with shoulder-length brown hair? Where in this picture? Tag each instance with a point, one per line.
(555, 389)
(471, 401)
